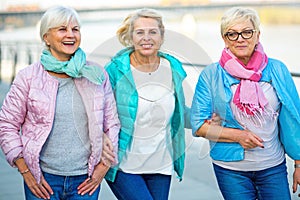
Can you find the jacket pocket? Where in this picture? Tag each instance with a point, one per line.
(38, 106)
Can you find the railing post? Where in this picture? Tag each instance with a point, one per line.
(29, 56)
(15, 57)
(0, 62)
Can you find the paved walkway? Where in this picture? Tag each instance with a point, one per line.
(198, 183)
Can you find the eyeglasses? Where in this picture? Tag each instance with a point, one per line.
(233, 36)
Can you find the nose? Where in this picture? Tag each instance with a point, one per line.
(70, 32)
(147, 36)
(240, 38)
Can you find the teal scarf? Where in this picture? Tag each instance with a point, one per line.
(76, 67)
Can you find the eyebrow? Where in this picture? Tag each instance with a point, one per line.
(246, 28)
(64, 26)
(147, 28)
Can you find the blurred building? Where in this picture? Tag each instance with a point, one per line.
(77, 4)
(183, 2)
(203, 2)
(32, 5)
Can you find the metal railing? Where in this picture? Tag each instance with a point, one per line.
(15, 55)
(294, 74)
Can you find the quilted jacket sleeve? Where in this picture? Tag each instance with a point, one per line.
(12, 116)
(111, 124)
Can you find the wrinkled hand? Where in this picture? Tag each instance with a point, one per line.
(42, 190)
(215, 120)
(91, 184)
(249, 140)
(108, 156)
(296, 180)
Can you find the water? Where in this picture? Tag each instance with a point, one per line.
(195, 41)
(279, 41)
(199, 43)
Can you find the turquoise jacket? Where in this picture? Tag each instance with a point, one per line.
(127, 101)
(213, 95)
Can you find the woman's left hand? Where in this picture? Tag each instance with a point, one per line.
(108, 157)
(215, 120)
(91, 184)
(296, 180)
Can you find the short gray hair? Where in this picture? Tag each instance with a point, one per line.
(55, 17)
(236, 15)
(125, 31)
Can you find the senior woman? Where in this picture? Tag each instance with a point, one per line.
(63, 105)
(257, 100)
(147, 84)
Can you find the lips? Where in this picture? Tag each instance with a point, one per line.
(69, 43)
(147, 46)
(241, 46)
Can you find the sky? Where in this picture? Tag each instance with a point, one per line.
(44, 4)
(77, 3)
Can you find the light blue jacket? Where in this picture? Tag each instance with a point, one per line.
(213, 95)
(127, 101)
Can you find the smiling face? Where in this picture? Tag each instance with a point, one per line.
(63, 41)
(242, 48)
(146, 37)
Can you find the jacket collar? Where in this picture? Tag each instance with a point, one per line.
(122, 59)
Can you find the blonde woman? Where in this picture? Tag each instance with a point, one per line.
(147, 84)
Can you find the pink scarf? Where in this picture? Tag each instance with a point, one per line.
(249, 96)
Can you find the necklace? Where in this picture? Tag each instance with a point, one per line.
(152, 66)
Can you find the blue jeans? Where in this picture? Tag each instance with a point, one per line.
(140, 186)
(268, 184)
(64, 188)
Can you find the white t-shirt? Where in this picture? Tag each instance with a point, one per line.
(266, 127)
(151, 147)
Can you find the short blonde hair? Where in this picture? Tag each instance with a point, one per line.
(57, 16)
(236, 15)
(125, 31)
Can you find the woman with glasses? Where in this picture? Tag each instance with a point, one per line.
(257, 100)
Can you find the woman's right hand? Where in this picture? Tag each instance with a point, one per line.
(213, 130)
(42, 190)
(249, 140)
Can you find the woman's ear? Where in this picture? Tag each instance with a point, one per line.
(45, 40)
(258, 34)
(225, 41)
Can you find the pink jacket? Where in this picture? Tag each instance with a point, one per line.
(30, 105)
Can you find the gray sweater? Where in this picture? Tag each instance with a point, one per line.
(67, 148)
